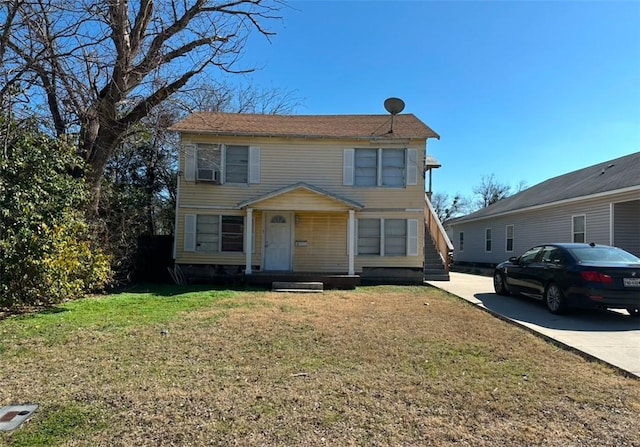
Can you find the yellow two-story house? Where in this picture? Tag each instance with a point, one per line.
(301, 195)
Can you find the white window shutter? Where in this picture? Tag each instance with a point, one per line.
(412, 167)
(412, 237)
(347, 167)
(190, 162)
(223, 163)
(254, 164)
(190, 232)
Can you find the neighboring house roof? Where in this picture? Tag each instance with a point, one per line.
(305, 126)
(620, 174)
(302, 185)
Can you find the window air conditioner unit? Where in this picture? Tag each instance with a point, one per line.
(209, 175)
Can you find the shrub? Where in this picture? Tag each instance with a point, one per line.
(47, 249)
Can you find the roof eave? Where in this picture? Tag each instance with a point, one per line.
(462, 220)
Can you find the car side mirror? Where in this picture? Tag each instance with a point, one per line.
(514, 259)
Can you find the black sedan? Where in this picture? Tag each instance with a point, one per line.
(573, 275)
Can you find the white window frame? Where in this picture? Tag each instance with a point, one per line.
(228, 150)
(191, 234)
(507, 238)
(190, 172)
(409, 170)
(488, 243)
(573, 227)
(212, 165)
(383, 245)
(358, 234)
(411, 238)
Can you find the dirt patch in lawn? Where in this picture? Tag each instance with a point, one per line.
(375, 366)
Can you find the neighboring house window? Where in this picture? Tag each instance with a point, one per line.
(579, 228)
(214, 233)
(393, 168)
(237, 164)
(388, 237)
(369, 236)
(461, 241)
(509, 238)
(487, 239)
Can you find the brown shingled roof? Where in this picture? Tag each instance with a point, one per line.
(321, 126)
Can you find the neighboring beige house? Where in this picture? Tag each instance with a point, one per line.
(302, 196)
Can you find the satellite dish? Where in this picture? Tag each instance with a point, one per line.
(394, 105)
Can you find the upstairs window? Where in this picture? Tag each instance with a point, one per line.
(208, 162)
(391, 168)
(366, 167)
(219, 163)
(237, 164)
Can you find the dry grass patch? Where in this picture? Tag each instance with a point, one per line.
(376, 366)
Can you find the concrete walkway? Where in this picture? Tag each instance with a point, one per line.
(611, 336)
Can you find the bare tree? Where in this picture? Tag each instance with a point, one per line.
(100, 67)
(240, 98)
(490, 190)
(447, 207)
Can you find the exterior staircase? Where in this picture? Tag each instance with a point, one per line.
(434, 267)
(437, 246)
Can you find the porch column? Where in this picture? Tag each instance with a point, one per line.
(248, 240)
(352, 237)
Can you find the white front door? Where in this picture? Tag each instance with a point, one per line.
(277, 241)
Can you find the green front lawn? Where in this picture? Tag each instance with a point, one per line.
(375, 366)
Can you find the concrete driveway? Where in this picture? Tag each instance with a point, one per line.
(613, 337)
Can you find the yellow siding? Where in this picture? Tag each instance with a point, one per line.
(316, 162)
(325, 236)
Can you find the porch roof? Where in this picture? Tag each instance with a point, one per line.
(305, 187)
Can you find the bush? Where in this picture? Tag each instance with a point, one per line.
(47, 250)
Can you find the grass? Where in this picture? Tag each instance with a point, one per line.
(375, 366)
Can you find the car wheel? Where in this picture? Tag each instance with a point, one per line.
(634, 312)
(499, 284)
(554, 299)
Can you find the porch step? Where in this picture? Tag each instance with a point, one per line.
(297, 286)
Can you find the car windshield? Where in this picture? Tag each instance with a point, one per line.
(603, 254)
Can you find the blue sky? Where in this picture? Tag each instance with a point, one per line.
(523, 90)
